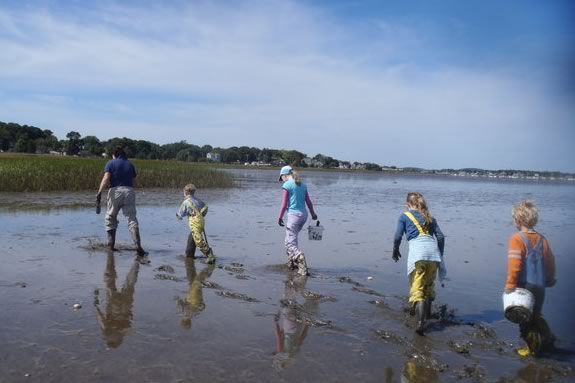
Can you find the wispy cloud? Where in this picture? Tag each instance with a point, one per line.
(271, 73)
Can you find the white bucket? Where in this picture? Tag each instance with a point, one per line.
(315, 233)
(518, 305)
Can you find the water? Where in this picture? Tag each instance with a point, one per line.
(250, 320)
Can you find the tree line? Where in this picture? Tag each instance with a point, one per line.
(29, 139)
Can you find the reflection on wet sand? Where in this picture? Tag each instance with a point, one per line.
(193, 303)
(421, 367)
(116, 319)
(413, 372)
(292, 321)
(533, 373)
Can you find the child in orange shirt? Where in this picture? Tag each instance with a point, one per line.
(530, 265)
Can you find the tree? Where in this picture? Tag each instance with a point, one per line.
(93, 145)
(74, 143)
(25, 145)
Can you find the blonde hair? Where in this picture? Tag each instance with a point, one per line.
(296, 177)
(525, 213)
(190, 189)
(416, 200)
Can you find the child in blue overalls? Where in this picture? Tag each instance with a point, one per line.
(425, 259)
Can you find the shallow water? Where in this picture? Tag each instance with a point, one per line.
(247, 318)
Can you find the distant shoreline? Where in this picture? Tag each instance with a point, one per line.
(423, 173)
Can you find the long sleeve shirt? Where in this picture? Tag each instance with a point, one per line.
(292, 198)
(192, 207)
(516, 259)
(404, 225)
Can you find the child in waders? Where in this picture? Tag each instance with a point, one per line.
(531, 265)
(425, 259)
(195, 209)
(294, 199)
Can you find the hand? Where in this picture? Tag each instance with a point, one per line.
(396, 255)
(314, 217)
(509, 291)
(281, 222)
(98, 203)
(179, 217)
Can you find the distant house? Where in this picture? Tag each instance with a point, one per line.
(277, 162)
(344, 165)
(313, 163)
(214, 157)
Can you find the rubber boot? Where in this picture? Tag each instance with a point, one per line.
(420, 317)
(211, 258)
(428, 308)
(191, 247)
(302, 266)
(135, 232)
(111, 239)
(291, 264)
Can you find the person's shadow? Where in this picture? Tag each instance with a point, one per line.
(292, 322)
(193, 303)
(116, 318)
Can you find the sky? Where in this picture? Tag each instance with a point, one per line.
(433, 84)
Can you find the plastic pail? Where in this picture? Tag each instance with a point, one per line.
(518, 305)
(315, 232)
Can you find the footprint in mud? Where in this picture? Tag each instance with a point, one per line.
(165, 272)
(359, 287)
(484, 331)
(167, 277)
(390, 337)
(211, 285)
(234, 295)
(279, 268)
(322, 298)
(460, 347)
(365, 290)
(351, 281)
(94, 245)
(379, 303)
(165, 269)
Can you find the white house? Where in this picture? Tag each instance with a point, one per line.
(213, 156)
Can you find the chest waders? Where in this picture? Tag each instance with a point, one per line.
(197, 237)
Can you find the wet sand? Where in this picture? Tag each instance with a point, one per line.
(247, 318)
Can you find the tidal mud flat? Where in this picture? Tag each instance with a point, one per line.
(247, 318)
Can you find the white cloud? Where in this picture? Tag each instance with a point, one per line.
(244, 75)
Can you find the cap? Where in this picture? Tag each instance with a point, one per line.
(285, 171)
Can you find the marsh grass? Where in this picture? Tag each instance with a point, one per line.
(30, 173)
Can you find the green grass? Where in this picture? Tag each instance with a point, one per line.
(19, 173)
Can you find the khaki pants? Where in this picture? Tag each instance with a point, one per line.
(121, 198)
(421, 281)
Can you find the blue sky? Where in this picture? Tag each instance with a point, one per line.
(433, 84)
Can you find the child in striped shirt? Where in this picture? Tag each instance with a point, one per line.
(195, 209)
